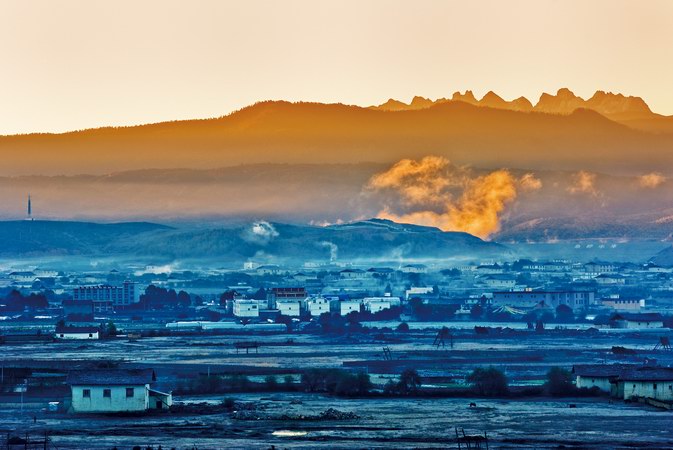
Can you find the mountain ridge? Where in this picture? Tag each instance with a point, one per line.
(284, 132)
(630, 110)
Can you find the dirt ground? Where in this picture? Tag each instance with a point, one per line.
(595, 423)
(383, 423)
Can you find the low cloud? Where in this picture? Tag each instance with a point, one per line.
(529, 182)
(434, 192)
(651, 180)
(584, 183)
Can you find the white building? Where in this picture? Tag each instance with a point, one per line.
(77, 333)
(22, 277)
(348, 306)
(246, 308)
(601, 376)
(414, 268)
(623, 304)
(106, 297)
(646, 382)
(376, 304)
(115, 390)
(318, 306)
(288, 307)
(637, 321)
(410, 293)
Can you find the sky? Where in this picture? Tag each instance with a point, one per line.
(77, 64)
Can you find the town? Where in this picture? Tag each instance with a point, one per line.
(225, 343)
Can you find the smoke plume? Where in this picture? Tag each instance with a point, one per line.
(435, 192)
(333, 249)
(261, 233)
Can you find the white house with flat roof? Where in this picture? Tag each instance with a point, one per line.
(289, 307)
(376, 304)
(246, 308)
(318, 306)
(348, 306)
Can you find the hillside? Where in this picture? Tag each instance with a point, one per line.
(263, 241)
(282, 132)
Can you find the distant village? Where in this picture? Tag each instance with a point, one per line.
(105, 332)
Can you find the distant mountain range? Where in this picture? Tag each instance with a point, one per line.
(631, 111)
(561, 132)
(259, 241)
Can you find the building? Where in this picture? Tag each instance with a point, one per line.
(414, 268)
(270, 269)
(637, 321)
(353, 274)
(289, 307)
(106, 298)
(318, 306)
(597, 268)
(348, 306)
(607, 279)
(376, 304)
(246, 308)
(22, 277)
(645, 382)
(419, 292)
(77, 333)
(499, 281)
(115, 390)
(623, 304)
(576, 300)
(600, 376)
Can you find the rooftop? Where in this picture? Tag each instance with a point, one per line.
(111, 377)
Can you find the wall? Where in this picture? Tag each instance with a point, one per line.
(664, 390)
(117, 402)
(602, 383)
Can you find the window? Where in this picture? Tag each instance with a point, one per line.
(129, 392)
(90, 335)
(86, 393)
(107, 393)
(654, 386)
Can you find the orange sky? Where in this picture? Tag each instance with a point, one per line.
(78, 64)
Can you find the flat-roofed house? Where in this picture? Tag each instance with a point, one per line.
(115, 390)
(318, 306)
(289, 307)
(246, 308)
(348, 306)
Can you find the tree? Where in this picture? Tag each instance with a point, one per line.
(477, 311)
(489, 382)
(409, 382)
(184, 300)
(564, 313)
(403, 326)
(111, 329)
(271, 383)
(559, 382)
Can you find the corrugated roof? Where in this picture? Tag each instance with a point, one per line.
(602, 370)
(648, 374)
(111, 377)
